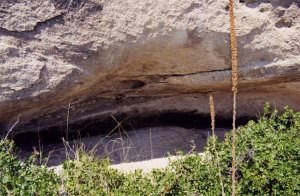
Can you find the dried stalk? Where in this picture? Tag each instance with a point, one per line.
(212, 113)
(68, 116)
(213, 116)
(234, 80)
(11, 129)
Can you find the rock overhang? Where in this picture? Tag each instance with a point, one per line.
(110, 56)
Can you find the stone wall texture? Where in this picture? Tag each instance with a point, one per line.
(70, 60)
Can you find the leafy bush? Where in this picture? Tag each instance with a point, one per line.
(268, 163)
(90, 176)
(24, 178)
(93, 176)
(267, 156)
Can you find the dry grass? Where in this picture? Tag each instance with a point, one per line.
(117, 143)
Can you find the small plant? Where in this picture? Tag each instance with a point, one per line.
(89, 175)
(234, 83)
(267, 163)
(267, 154)
(24, 178)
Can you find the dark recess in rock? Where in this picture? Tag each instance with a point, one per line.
(284, 23)
(133, 84)
(104, 125)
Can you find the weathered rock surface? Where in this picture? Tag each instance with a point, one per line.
(71, 60)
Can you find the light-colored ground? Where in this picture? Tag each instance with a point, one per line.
(144, 149)
(146, 166)
(135, 145)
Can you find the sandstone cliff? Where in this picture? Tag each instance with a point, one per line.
(93, 58)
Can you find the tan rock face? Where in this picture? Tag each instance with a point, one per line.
(96, 57)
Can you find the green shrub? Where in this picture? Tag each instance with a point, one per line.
(268, 154)
(24, 178)
(267, 163)
(93, 176)
(90, 176)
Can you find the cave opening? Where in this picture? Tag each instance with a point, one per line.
(125, 137)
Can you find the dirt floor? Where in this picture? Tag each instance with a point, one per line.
(130, 146)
